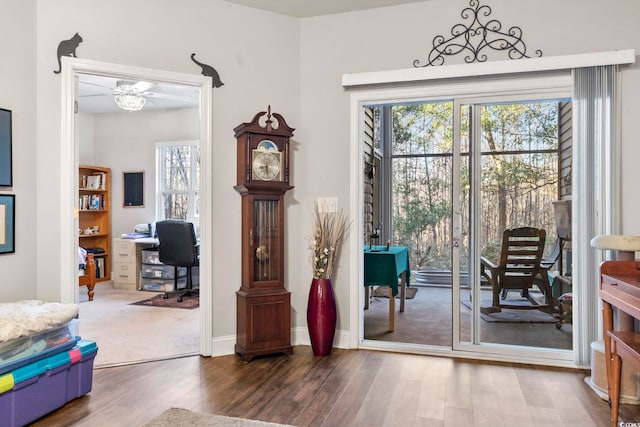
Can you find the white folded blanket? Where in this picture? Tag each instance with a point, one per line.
(26, 317)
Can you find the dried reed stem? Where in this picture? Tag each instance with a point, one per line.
(329, 230)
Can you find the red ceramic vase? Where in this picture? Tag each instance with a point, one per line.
(321, 316)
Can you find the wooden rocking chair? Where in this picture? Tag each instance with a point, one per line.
(518, 268)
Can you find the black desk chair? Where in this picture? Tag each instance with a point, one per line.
(179, 248)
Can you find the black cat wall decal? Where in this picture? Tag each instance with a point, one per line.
(208, 70)
(68, 48)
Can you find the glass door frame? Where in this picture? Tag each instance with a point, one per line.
(475, 133)
(553, 85)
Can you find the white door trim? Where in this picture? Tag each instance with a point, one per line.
(69, 177)
(553, 84)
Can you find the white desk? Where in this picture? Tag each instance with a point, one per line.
(146, 241)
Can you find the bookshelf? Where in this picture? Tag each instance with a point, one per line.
(94, 215)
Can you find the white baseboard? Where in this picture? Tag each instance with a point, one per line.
(223, 346)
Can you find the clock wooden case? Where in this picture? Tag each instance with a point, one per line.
(263, 303)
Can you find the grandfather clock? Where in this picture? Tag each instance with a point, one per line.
(263, 303)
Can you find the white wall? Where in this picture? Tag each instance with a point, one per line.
(86, 138)
(263, 58)
(18, 94)
(126, 142)
(392, 38)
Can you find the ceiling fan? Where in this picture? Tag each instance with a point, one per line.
(131, 95)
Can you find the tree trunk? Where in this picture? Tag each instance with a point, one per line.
(502, 191)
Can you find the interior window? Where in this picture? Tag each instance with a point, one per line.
(178, 184)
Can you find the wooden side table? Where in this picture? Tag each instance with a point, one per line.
(620, 288)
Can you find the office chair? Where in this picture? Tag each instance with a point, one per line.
(179, 248)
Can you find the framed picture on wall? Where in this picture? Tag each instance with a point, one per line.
(7, 223)
(133, 189)
(6, 173)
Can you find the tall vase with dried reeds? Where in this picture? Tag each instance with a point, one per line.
(329, 231)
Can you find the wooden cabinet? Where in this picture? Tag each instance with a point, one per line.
(94, 218)
(619, 288)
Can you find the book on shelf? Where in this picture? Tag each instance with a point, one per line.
(88, 202)
(102, 180)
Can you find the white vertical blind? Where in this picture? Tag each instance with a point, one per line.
(596, 195)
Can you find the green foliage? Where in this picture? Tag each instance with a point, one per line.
(519, 143)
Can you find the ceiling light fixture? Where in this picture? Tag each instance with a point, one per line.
(127, 97)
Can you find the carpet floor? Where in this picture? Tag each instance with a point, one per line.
(183, 417)
(128, 333)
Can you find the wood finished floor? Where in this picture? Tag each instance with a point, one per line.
(348, 388)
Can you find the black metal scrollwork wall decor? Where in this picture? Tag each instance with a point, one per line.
(473, 37)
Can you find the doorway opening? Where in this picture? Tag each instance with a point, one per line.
(124, 153)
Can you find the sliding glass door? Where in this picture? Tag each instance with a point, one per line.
(453, 176)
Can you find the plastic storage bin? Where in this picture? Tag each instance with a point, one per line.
(31, 348)
(150, 256)
(152, 271)
(39, 388)
(162, 285)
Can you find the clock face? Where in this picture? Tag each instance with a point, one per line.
(266, 165)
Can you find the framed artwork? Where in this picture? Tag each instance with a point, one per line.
(133, 189)
(5, 148)
(7, 223)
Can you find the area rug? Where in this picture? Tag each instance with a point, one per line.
(383, 292)
(189, 302)
(508, 315)
(183, 417)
